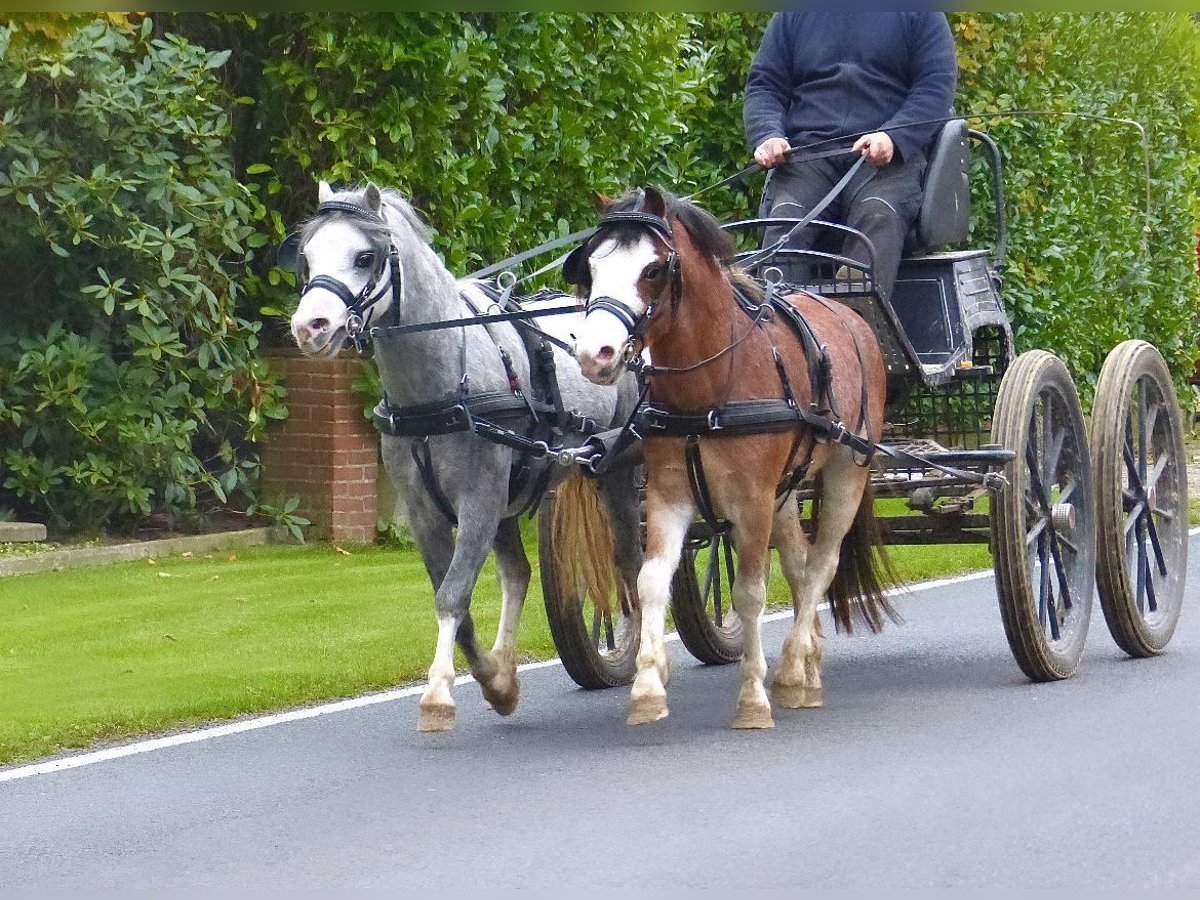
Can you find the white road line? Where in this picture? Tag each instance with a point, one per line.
(325, 709)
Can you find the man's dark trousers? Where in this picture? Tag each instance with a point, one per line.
(882, 203)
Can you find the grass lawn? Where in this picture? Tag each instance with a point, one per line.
(95, 655)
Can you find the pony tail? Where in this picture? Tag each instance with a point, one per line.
(863, 573)
(584, 554)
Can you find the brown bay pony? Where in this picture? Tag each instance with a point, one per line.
(656, 278)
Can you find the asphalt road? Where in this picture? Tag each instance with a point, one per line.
(934, 763)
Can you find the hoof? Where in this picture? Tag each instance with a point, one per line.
(753, 716)
(504, 703)
(647, 709)
(814, 698)
(436, 717)
(789, 696)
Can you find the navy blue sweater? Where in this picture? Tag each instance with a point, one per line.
(820, 75)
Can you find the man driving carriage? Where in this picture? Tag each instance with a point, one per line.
(821, 75)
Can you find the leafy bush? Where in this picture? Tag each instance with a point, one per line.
(1082, 274)
(129, 379)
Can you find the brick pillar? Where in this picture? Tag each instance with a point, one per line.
(325, 452)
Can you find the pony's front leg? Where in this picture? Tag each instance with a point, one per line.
(452, 601)
(667, 521)
(751, 536)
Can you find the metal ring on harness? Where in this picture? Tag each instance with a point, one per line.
(772, 275)
(506, 280)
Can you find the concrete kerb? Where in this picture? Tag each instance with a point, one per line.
(81, 557)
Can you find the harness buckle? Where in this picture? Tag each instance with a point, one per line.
(539, 450)
(714, 423)
(354, 326)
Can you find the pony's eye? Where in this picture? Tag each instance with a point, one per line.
(364, 260)
(652, 271)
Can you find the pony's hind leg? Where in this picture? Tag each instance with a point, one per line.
(498, 675)
(668, 516)
(841, 492)
(801, 656)
(752, 532)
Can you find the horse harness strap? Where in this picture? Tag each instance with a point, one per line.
(495, 416)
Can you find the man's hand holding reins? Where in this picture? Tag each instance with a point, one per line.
(877, 148)
(772, 152)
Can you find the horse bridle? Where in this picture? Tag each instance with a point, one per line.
(635, 323)
(358, 306)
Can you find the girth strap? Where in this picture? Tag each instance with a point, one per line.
(424, 461)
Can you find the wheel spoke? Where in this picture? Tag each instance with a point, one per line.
(1050, 458)
(1154, 474)
(1036, 531)
(1155, 544)
(1143, 569)
(718, 584)
(1068, 543)
(727, 546)
(1064, 587)
(609, 631)
(1144, 443)
(1134, 514)
(1131, 466)
(597, 622)
(710, 572)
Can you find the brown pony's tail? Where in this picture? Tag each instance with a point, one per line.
(863, 573)
(583, 541)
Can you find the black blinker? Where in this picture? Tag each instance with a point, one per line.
(575, 263)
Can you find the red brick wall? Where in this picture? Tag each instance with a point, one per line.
(325, 452)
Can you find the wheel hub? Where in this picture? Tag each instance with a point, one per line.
(1062, 516)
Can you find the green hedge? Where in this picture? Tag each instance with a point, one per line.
(522, 115)
(500, 126)
(1078, 281)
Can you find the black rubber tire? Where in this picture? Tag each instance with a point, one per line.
(1137, 435)
(1044, 529)
(701, 598)
(578, 627)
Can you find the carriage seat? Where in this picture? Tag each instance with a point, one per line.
(945, 216)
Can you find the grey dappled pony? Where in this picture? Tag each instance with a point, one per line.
(351, 246)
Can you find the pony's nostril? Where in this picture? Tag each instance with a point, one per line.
(318, 325)
(605, 355)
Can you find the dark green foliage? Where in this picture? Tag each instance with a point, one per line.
(130, 381)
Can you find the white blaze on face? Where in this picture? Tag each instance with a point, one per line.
(616, 271)
(319, 323)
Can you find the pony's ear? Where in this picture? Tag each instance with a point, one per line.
(372, 198)
(601, 202)
(324, 192)
(654, 203)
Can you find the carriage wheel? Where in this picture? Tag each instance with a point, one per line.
(702, 597)
(598, 647)
(1141, 498)
(1044, 521)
